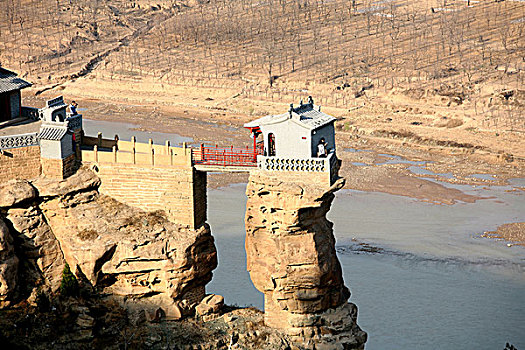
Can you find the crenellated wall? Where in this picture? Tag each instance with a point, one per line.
(150, 177)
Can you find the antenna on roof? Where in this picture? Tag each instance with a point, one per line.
(291, 109)
(311, 100)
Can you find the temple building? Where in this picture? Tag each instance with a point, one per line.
(296, 133)
(10, 97)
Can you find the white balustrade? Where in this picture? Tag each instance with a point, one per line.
(296, 164)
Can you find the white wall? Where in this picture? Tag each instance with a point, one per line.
(52, 149)
(289, 141)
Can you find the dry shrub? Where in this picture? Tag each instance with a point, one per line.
(156, 216)
(130, 221)
(150, 218)
(415, 93)
(424, 140)
(87, 235)
(396, 134)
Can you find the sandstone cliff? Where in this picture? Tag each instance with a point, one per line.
(8, 266)
(145, 262)
(291, 258)
(140, 258)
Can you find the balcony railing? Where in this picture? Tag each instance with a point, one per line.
(17, 141)
(30, 112)
(297, 164)
(75, 121)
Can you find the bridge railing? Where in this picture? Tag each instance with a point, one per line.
(225, 156)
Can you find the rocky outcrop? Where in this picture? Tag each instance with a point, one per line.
(37, 246)
(138, 258)
(145, 262)
(8, 266)
(210, 307)
(291, 259)
(82, 181)
(142, 257)
(15, 191)
(95, 325)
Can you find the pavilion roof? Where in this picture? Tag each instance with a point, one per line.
(9, 81)
(305, 115)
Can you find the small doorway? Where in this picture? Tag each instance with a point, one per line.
(5, 107)
(271, 145)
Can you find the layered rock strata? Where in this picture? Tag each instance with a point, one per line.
(140, 258)
(8, 266)
(292, 259)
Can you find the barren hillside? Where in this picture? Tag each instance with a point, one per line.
(440, 72)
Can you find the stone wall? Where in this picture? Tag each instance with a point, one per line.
(20, 163)
(200, 197)
(58, 168)
(291, 258)
(179, 191)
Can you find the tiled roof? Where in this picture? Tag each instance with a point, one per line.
(51, 133)
(269, 119)
(9, 81)
(306, 115)
(312, 117)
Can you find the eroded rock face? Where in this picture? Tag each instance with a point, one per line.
(291, 259)
(8, 266)
(81, 181)
(132, 254)
(38, 246)
(142, 259)
(15, 191)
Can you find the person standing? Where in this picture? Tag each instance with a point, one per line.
(321, 148)
(73, 108)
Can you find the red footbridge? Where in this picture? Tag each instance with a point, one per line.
(209, 157)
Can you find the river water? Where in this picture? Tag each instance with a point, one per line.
(419, 273)
(126, 130)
